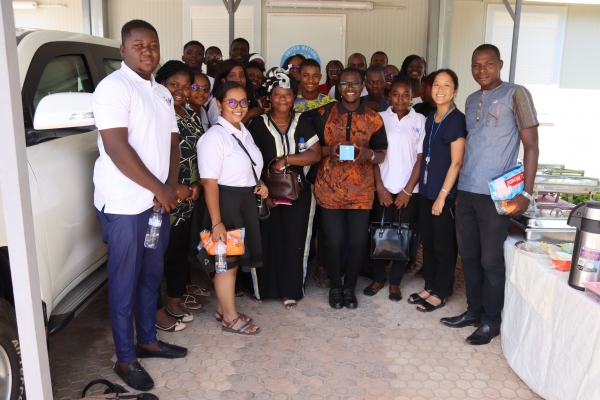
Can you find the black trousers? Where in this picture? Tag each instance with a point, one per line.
(481, 233)
(177, 265)
(407, 215)
(333, 223)
(438, 234)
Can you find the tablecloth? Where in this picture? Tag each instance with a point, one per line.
(550, 331)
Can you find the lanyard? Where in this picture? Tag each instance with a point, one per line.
(433, 134)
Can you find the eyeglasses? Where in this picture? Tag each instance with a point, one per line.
(334, 69)
(234, 103)
(294, 67)
(214, 57)
(197, 88)
(390, 74)
(346, 85)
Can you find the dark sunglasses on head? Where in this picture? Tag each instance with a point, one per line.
(393, 75)
(214, 57)
(346, 85)
(334, 69)
(197, 88)
(234, 103)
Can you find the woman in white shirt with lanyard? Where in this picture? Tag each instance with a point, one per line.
(230, 189)
(397, 178)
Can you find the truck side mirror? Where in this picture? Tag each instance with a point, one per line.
(64, 110)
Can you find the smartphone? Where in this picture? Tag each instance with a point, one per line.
(346, 152)
(284, 202)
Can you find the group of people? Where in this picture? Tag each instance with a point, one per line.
(194, 147)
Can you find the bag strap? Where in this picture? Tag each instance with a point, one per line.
(248, 154)
(383, 217)
(112, 387)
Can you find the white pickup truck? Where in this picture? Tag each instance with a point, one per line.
(58, 72)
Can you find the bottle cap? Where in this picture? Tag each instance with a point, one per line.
(301, 140)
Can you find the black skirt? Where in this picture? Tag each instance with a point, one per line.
(238, 210)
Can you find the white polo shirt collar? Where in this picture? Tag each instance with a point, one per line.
(135, 77)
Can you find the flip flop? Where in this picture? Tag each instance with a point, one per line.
(197, 290)
(290, 302)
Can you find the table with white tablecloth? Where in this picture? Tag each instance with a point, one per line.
(550, 331)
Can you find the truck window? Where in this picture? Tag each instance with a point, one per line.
(111, 66)
(63, 74)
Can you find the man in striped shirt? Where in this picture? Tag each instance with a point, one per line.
(499, 117)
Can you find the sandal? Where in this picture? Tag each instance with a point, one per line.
(256, 299)
(370, 291)
(289, 304)
(187, 317)
(190, 302)
(243, 317)
(242, 330)
(428, 307)
(176, 327)
(416, 299)
(419, 273)
(197, 290)
(239, 293)
(322, 280)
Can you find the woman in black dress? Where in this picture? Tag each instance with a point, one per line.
(289, 137)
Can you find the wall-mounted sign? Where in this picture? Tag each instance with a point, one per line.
(306, 51)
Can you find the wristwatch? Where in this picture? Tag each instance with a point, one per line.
(373, 156)
(526, 195)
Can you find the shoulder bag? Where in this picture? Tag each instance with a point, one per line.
(263, 209)
(390, 240)
(284, 184)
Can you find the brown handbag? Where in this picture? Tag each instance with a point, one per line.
(285, 184)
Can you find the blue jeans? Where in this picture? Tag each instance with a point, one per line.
(134, 276)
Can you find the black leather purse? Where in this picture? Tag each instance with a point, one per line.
(390, 240)
(261, 204)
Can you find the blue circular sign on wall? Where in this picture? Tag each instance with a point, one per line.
(305, 50)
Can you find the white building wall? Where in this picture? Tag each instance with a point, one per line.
(165, 15)
(68, 18)
(568, 130)
(398, 32)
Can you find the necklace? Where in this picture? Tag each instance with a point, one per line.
(282, 123)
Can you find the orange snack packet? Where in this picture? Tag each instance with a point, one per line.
(235, 242)
(509, 207)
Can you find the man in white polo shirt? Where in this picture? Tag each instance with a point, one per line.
(135, 173)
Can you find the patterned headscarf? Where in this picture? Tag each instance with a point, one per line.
(278, 77)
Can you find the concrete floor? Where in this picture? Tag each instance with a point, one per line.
(381, 350)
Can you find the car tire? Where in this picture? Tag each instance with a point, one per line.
(12, 384)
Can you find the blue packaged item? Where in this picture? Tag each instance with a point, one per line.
(508, 184)
(346, 152)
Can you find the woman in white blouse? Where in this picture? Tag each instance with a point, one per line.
(397, 178)
(230, 190)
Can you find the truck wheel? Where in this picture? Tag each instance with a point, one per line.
(12, 385)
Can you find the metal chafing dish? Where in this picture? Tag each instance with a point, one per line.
(548, 220)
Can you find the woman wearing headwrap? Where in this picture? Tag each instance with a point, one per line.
(289, 137)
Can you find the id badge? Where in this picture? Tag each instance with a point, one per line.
(425, 177)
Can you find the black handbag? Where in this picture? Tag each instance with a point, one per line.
(261, 204)
(284, 184)
(390, 240)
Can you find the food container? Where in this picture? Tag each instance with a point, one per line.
(563, 263)
(592, 289)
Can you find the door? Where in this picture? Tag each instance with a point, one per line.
(62, 161)
(320, 36)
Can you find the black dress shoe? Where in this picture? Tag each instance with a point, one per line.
(135, 376)
(166, 351)
(460, 321)
(482, 335)
(350, 299)
(336, 298)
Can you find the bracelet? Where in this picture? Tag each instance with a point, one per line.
(444, 190)
(373, 156)
(215, 225)
(410, 194)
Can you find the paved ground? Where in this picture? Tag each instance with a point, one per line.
(382, 350)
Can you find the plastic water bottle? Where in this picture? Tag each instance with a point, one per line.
(154, 224)
(221, 263)
(302, 145)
